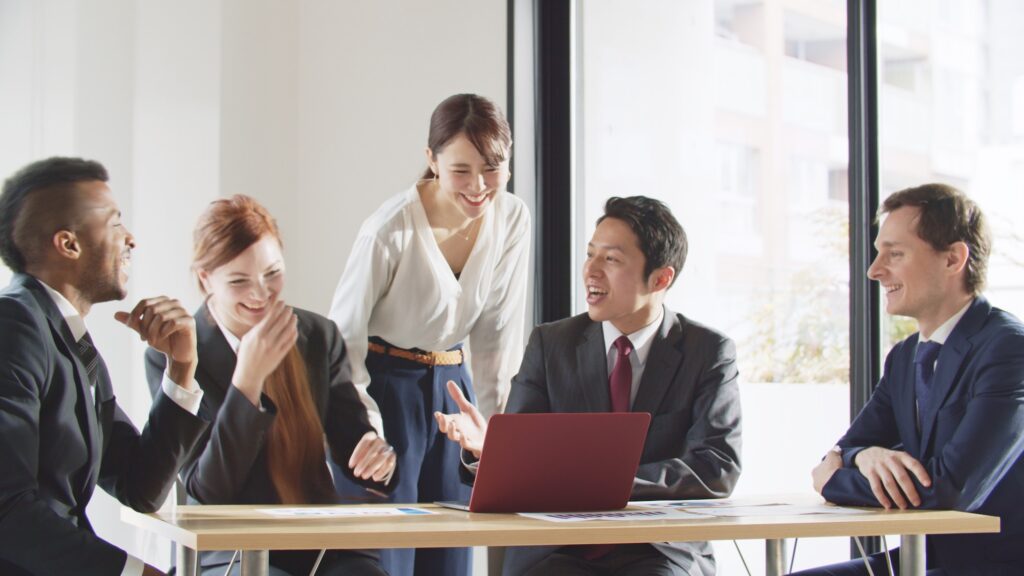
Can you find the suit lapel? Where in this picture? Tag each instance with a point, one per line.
(85, 413)
(216, 358)
(663, 362)
(592, 367)
(951, 357)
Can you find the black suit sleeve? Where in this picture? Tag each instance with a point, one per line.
(224, 456)
(32, 535)
(346, 420)
(707, 460)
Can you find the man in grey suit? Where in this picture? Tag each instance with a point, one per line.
(61, 430)
(629, 352)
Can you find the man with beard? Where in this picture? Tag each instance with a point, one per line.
(61, 430)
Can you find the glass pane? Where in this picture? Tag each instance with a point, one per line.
(951, 108)
(734, 114)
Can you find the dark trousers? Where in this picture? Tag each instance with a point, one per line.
(877, 561)
(408, 394)
(623, 560)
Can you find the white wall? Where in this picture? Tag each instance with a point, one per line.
(319, 109)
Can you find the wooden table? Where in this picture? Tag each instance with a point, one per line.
(245, 528)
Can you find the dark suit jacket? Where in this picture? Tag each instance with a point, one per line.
(55, 447)
(229, 464)
(971, 436)
(688, 386)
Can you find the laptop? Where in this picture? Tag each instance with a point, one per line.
(561, 462)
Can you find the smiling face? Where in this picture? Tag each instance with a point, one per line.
(918, 281)
(613, 276)
(106, 245)
(242, 290)
(465, 178)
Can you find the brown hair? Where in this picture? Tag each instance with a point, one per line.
(295, 445)
(949, 216)
(479, 119)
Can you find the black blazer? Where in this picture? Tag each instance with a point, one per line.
(689, 387)
(229, 465)
(55, 447)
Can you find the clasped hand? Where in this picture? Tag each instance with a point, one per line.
(890, 474)
(468, 427)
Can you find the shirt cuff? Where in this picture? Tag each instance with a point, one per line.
(188, 400)
(132, 566)
(471, 466)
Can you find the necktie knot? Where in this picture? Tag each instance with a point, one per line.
(927, 352)
(623, 345)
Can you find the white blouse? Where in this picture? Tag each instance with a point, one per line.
(397, 285)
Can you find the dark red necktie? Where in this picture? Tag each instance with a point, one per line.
(621, 380)
(619, 384)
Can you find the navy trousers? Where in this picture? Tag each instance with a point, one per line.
(408, 394)
(877, 561)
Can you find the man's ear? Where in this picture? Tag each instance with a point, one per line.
(661, 278)
(204, 280)
(66, 243)
(957, 256)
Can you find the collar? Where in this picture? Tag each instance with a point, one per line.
(71, 316)
(641, 339)
(233, 341)
(942, 332)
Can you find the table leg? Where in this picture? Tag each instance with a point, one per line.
(775, 557)
(185, 560)
(255, 562)
(912, 559)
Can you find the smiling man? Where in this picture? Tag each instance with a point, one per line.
(631, 353)
(944, 428)
(61, 430)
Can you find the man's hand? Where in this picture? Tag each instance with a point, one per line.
(164, 324)
(468, 427)
(889, 473)
(373, 458)
(263, 348)
(823, 472)
(148, 570)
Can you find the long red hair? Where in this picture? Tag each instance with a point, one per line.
(295, 445)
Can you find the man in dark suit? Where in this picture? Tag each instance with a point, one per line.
(629, 352)
(61, 430)
(944, 428)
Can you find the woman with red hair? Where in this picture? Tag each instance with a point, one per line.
(276, 383)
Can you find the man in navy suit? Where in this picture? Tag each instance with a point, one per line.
(944, 428)
(61, 430)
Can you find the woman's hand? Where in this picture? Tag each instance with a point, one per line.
(373, 458)
(263, 348)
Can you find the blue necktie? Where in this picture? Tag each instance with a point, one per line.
(924, 368)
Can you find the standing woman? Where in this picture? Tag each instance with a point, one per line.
(276, 383)
(437, 266)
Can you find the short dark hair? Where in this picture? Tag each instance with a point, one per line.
(21, 233)
(662, 238)
(479, 119)
(949, 216)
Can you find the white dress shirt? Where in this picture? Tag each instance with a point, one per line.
(398, 286)
(641, 340)
(187, 400)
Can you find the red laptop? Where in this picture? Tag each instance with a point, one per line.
(562, 462)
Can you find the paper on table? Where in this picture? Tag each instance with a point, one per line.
(615, 515)
(346, 512)
(729, 509)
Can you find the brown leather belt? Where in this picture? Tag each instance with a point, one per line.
(446, 358)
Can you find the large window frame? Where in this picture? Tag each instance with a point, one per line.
(553, 40)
